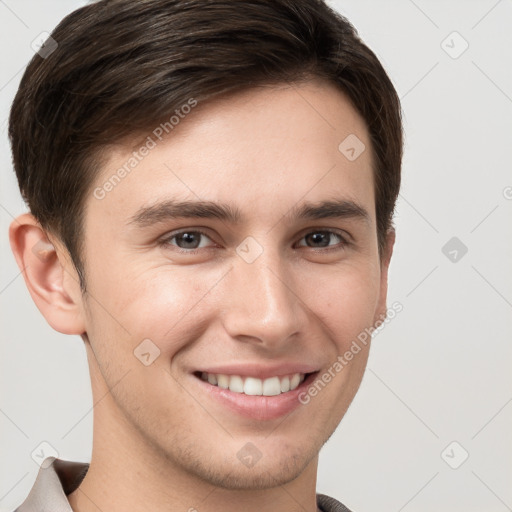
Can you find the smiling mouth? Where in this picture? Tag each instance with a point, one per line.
(254, 386)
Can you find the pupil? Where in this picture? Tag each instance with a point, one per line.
(188, 237)
(317, 237)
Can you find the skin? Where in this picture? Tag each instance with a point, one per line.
(160, 443)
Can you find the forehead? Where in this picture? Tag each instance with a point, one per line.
(261, 150)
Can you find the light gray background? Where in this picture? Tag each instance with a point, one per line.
(440, 371)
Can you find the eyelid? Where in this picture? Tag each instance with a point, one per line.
(345, 235)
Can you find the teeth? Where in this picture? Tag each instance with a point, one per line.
(272, 386)
(222, 381)
(294, 381)
(252, 386)
(236, 384)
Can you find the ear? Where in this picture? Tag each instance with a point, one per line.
(49, 274)
(380, 313)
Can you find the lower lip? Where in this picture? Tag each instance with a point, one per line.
(258, 407)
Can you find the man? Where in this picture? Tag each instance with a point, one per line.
(211, 188)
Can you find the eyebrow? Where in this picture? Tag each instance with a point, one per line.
(190, 209)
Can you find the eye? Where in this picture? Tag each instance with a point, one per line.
(189, 241)
(186, 241)
(322, 237)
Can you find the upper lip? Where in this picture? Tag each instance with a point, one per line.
(261, 371)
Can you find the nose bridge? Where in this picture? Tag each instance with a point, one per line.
(263, 303)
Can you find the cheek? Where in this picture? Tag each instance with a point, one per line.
(343, 300)
(165, 304)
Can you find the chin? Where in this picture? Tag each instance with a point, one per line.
(271, 475)
(278, 467)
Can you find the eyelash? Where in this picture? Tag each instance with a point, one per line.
(165, 241)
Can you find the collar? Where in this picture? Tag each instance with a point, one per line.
(55, 480)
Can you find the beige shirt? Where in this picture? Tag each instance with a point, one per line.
(57, 478)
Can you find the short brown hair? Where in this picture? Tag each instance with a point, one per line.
(120, 66)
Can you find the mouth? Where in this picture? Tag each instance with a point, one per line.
(255, 398)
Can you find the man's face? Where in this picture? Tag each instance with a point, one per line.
(272, 294)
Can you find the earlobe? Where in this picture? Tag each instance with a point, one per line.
(48, 275)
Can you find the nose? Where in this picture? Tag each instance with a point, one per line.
(263, 304)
